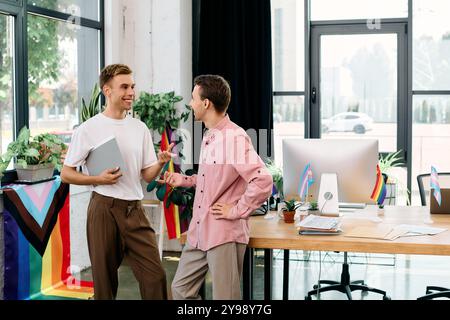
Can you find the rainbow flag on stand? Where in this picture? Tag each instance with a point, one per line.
(175, 227)
(379, 192)
(434, 184)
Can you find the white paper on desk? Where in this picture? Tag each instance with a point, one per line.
(421, 230)
(396, 232)
(374, 232)
(318, 222)
(408, 230)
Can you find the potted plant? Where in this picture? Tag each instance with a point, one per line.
(289, 210)
(160, 114)
(277, 177)
(156, 110)
(93, 108)
(36, 158)
(313, 207)
(180, 196)
(386, 163)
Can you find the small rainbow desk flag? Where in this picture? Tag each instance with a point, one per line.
(379, 192)
(434, 184)
(306, 180)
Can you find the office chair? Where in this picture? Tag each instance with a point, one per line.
(423, 180)
(345, 285)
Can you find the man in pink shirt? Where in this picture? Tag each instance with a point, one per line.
(232, 181)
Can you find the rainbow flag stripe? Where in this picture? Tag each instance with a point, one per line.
(379, 192)
(33, 273)
(172, 213)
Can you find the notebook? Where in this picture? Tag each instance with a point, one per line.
(445, 202)
(105, 156)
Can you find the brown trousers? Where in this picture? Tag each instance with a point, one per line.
(115, 229)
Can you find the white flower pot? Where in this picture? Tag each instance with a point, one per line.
(34, 173)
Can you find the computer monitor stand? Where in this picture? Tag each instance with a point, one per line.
(328, 199)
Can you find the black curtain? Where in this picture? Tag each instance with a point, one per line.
(232, 38)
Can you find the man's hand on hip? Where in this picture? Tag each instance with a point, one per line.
(222, 211)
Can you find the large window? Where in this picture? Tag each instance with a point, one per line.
(58, 80)
(358, 87)
(431, 85)
(431, 40)
(6, 82)
(51, 52)
(357, 73)
(89, 9)
(358, 9)
(288, 43)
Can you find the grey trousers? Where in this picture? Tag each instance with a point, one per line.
(224, 262)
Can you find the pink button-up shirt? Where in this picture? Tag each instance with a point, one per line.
(230, 172)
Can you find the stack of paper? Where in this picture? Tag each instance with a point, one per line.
(385, 232)
(313, 224)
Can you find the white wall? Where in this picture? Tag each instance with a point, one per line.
(153, 37)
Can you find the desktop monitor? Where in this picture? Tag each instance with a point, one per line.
(354, 162)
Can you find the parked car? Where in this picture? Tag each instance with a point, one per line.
(357, 122)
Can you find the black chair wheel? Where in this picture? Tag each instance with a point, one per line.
(386, 298)
(308, 298)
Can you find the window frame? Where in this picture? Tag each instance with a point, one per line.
(19, 10)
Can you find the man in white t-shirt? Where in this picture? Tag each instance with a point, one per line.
(116, 224)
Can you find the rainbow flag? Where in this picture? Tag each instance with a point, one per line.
(37, 244)
(434, 184)
(171, 213)
(379, 192)
(306, 180)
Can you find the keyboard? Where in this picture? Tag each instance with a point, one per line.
(351, 205)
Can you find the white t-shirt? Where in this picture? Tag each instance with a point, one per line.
(135, 144)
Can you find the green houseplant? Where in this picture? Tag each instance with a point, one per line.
(313, 207)
(180, 196)
(93, 107)
(156, 110)
(386, 162)
(37, 157)
(289, 210)
(159, 111)
(277, 177)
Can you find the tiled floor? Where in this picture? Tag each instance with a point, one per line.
(403, 277)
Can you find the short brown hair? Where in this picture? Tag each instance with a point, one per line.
(111, 71)
(216, 89)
